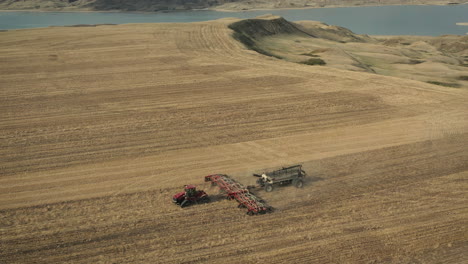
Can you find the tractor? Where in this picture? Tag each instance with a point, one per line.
(189, 196)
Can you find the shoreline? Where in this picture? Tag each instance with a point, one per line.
(216, 9)
(315, 7)
(195, 14)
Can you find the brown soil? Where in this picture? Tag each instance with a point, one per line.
(100, 126)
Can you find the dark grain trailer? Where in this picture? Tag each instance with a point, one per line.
(290, 175)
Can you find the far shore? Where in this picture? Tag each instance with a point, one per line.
(211, 9)
(73, 11)
(318, 7)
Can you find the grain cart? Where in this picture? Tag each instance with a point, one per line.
(290, 175)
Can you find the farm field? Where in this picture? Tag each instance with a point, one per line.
(100, 126)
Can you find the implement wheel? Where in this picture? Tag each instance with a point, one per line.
(299, 184)
(205, 199)
(268, 188)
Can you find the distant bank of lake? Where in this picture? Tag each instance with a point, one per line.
(375, 20)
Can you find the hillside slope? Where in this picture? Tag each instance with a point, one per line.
(100, 126)
(439, 60)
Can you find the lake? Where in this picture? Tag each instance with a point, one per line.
(375, 20)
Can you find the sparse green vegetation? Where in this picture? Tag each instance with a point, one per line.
(415, 61)
(319, 50)
(310, 54)
(453, 85)
(314, 61)
(250, 44)
(463, 77)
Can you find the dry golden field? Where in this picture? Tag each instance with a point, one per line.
(100, 126)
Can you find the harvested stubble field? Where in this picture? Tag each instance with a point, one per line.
(100, 126)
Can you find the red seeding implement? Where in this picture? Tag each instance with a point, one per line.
(235, 190)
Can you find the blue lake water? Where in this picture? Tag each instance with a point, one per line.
(377, 20)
